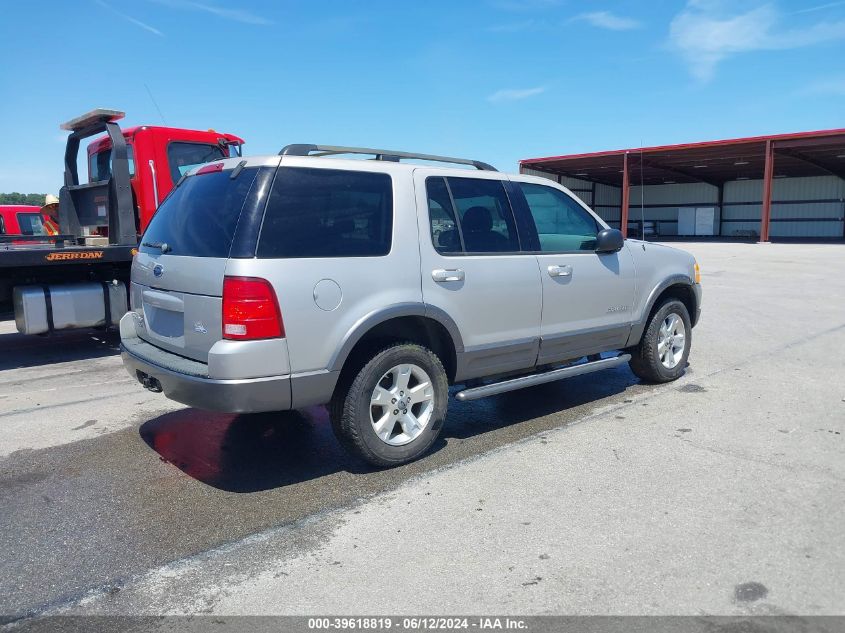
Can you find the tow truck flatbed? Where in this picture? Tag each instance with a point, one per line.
(29, 255)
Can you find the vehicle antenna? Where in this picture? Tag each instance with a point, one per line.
(152, 98)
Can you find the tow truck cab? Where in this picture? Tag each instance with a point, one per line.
(158, 156)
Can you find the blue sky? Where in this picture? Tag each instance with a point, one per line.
(494, 80)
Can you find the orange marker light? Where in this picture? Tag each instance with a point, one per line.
(697, 274)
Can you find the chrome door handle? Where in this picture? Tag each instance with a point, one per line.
(560, 271)
(442, 275)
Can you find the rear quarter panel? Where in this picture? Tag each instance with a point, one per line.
(369, 285)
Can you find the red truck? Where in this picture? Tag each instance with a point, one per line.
(20, 219)
(157, 158)
(80, 277)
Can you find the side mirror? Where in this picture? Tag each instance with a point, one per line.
(609, 241)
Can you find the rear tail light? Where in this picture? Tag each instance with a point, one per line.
(250, 310)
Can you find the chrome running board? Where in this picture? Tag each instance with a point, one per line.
(538, 379)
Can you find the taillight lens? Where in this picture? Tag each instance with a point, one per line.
(250, 309)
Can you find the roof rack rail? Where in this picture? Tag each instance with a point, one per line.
(380, 154)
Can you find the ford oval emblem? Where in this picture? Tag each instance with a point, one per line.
(158, 271)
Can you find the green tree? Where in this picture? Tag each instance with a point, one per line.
(36, 199)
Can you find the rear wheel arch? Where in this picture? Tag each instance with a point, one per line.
(420, 324)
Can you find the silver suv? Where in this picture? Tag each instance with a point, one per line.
(274, 283)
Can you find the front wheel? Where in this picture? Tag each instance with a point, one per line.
(394, 408)
(662, 353)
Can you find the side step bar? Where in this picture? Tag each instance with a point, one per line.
(538, 379)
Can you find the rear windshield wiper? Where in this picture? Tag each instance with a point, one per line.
(164, 247)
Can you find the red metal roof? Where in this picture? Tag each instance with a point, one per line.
(797, 154)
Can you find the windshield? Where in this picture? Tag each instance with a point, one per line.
(183, 157)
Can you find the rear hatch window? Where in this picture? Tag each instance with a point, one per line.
(199, 217)
(179, 290)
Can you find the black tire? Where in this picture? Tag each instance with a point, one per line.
(645, 361)
(350, 407)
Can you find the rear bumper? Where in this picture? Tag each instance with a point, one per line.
(250, 395)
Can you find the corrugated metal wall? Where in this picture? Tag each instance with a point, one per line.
(742, 207)
(581, 188)
(801, 207)
(608, 202)
(661, 203)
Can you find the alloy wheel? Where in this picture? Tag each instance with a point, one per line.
(402, 404)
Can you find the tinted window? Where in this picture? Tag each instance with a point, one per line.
(183, 157)
(562, 223)
(483, 215)
(327, 213)
(99, 164)
(445, 234)
(30, 224)
(199, 217)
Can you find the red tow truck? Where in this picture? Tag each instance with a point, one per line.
(79, 278)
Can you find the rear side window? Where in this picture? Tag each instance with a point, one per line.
(327, 213)
(445, 234)
(99, 164)
(182, 157)
(470, 215)
(31, 224)
(199, 217)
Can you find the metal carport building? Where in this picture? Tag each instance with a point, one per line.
(784, 186)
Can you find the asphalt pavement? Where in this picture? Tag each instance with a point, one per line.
(721, 493)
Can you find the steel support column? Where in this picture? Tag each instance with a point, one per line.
(768, 174)
(720, 200)
(626, 196)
